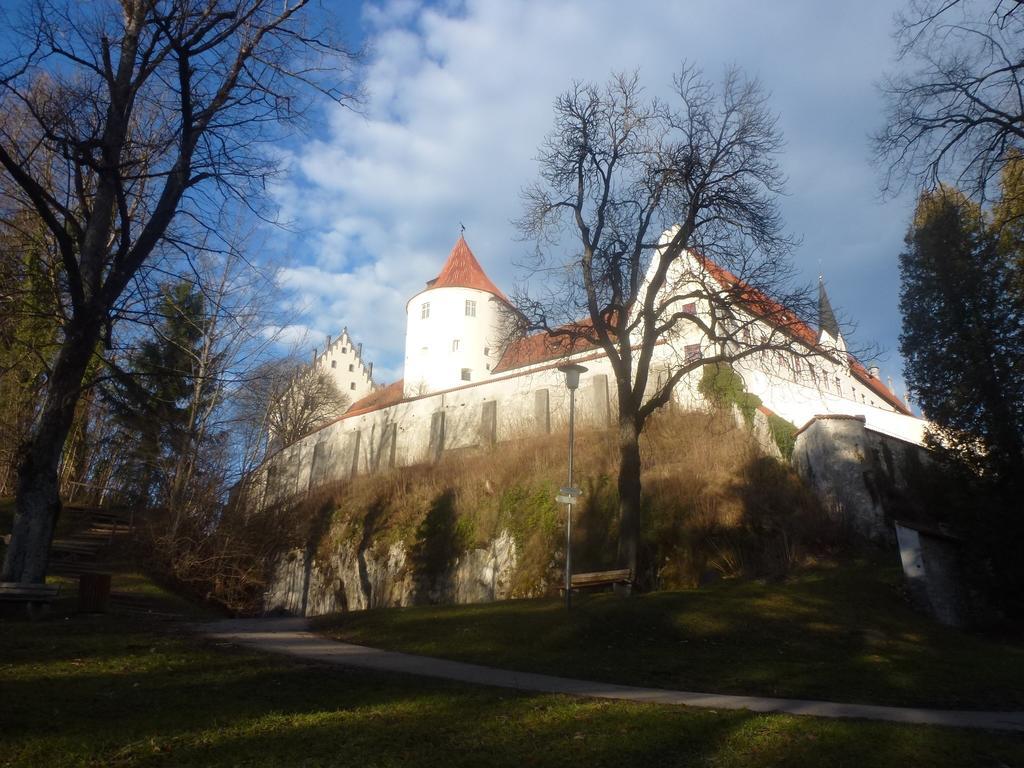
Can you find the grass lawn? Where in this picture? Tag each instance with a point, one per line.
(117, 691)
(835, 633)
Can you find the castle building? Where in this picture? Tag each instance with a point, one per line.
(342, 358)
(464, 389)
(452, 326)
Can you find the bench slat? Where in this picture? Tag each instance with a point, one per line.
(601, 577)
(12, 590)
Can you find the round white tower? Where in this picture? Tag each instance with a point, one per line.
(451, 335)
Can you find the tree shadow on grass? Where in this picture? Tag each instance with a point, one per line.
(200, 704)
(261, 711)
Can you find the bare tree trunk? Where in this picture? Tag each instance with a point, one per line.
(38, 498)
(629, 492)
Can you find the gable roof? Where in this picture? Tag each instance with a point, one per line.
(540, 347)
(776, 314)
(462, 270)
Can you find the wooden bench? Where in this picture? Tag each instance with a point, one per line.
(601, 578)
(37, 597)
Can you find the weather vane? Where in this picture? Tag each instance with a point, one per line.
(462, 228)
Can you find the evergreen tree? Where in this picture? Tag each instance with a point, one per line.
(963, 343)
(151, 399)
(1008, 222)
(962, 340)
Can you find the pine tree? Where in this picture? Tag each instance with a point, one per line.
(963, 343)
(150, 400)
(1008, 222)
(962, 340)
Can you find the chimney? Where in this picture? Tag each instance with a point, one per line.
(891, 387)
(874, 372)
(359, 350)
(369, 375)
(328, 343)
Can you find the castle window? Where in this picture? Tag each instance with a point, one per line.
(692, 352)
(425, 310)
(690, 309)
(467, 374)
(351, 366)
(470, 308)
(344, 350)
(334, 363)
(487, 351)
(352, 385)
(455, 345)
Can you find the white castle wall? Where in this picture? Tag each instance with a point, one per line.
(420, 429)
(533, 401)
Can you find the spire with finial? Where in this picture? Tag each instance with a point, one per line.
(827, 323)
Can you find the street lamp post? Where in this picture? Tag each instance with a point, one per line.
(570, 493)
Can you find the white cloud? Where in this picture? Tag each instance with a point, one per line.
(460, 98)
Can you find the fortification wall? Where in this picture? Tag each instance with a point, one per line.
(863, 474)
(421, 429)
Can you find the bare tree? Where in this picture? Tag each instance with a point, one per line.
(298, 400)
(959, 110)
(151, 113)
(674, 244)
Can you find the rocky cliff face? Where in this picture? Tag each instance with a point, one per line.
(352, 578)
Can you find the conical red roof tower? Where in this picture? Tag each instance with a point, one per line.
(462, 270)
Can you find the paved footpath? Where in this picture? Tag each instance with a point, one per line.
(292, 636)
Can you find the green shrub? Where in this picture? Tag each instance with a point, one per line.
(720, 384)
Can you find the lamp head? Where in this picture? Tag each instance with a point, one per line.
(572, 374)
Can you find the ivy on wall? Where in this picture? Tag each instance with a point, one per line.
(720, 384)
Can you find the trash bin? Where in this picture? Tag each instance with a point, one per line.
(93, 592)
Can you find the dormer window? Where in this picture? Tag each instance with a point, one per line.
(334, 363)
(470, 308)
(425, 310)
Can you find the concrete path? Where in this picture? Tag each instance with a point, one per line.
(292, 636)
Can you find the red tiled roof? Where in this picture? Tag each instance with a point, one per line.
(782, 318)
(760, 304)
(860, 372)
(538, 348)
(379, 398)
(462, 270)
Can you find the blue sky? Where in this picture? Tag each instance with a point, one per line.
(459, 97)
